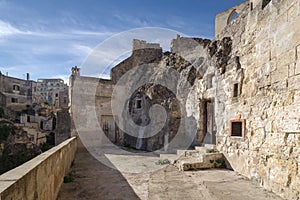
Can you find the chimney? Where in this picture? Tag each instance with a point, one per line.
(27, 76)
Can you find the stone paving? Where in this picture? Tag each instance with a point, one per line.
(93, 180)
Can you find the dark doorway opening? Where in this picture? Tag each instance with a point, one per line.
(209, 127)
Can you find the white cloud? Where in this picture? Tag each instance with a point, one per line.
(7, 29)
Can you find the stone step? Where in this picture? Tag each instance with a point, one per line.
(180, 152)
(210, 146)
(187, 153)
(203, 161)
(201, 149)
(207, 148)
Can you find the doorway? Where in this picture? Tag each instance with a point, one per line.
(209, 127)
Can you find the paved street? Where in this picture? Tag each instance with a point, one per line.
(93, 180)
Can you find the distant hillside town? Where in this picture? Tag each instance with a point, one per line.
(34, 117)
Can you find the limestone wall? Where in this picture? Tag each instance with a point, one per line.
(91, 108)
(266, 42)
(41, 177)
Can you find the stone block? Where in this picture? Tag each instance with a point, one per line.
(298, 52)
(280, 74)
(291, 69)
(297, 67)
(287, 57)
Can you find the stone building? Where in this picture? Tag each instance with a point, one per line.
(15, 94)
(52, 91)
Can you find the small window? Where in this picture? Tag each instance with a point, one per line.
(14, 100)
(56, 95)
(65, 99)
(210, 81)
(138, 103)
(236, 90)
(31, 138)
(251, 6)
(16, 87)
(42, 125)
(237, 127)
(28, 118)
(265, 3)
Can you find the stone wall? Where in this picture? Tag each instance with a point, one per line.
(41, 177)
(91, 108)
(264, 65)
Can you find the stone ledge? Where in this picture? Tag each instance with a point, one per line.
(40, 177)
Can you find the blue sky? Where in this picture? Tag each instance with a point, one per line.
(47, 38)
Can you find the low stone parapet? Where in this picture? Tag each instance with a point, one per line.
(41, 177)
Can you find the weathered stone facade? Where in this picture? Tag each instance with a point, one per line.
(53, 91)
(265, 39)
(15, 94)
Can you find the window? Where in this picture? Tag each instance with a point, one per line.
(28, 118)
(232, 16)
(237, 127)
(251, 6)
(14, 100)
(138, 103)
(65, 99)
(236, 90)
(56, 95)
(16, 87)
(31, 138)
(210, 81)
(265, 3)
